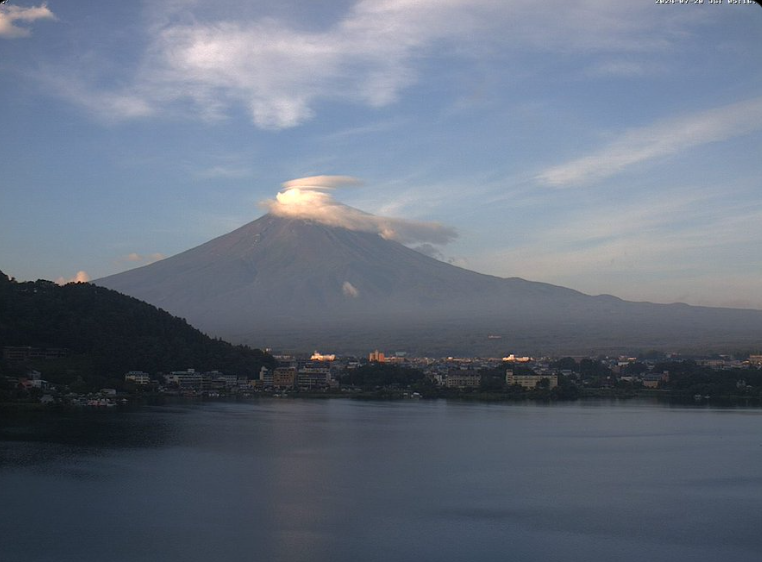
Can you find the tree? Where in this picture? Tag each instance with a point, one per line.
(567, 364)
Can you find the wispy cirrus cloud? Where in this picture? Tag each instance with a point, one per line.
(137, 259)
(11, 15)
(108, 106)
(626, 68)
(224, 172)
(654, 247)
(278, 70)
(657, 141)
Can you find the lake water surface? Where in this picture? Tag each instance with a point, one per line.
(343, 480)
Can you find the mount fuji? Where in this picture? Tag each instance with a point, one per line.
(299, 284)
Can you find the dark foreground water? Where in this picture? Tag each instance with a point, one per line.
(342, 480)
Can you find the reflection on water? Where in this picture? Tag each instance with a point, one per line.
(342, 480)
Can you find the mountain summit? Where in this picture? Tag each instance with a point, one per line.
(299, 284)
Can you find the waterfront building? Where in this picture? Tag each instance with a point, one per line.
(186, 380)
(314, 375)
(284, 377)
(138, 377)
(463, 378)
(530, 380)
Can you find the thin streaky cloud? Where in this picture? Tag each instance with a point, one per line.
(140, 259)
(626, 69)
(107, 106)
(658, 141)
(370, 129)
(667, 234)
(223, 172)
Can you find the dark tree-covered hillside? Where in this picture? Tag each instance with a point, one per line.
(109, 334)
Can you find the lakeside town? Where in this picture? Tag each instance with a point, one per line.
(397, 375)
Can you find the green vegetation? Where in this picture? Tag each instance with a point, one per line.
(381, 375)
(680, 380)
(107, 334)
(687, 378)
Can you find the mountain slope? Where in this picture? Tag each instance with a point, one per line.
(109, 333)
(299, 284)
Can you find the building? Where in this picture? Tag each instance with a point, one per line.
(320, 357)
(284, 377)
(265, 378)
(463, 378)
(530, 381)
(314, 375)
(138, 377)
(651, 382)
(33, 379)
(186, 380)
(513, 359)
(217, 381)
(655, 380)
(377, 356)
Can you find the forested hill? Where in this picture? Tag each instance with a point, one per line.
(108, 334)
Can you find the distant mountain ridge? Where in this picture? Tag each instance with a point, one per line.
(298, 284)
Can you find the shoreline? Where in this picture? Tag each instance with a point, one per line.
(385, 395)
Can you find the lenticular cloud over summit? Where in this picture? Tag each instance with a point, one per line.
(310, 198)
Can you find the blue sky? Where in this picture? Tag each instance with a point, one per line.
(611, 147)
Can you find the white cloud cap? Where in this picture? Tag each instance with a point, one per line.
(322, 182)
(306, 198)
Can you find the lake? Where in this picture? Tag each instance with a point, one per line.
(345, 480)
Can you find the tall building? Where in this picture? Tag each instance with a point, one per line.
(284, 377)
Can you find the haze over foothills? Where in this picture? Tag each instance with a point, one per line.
(609, 147)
